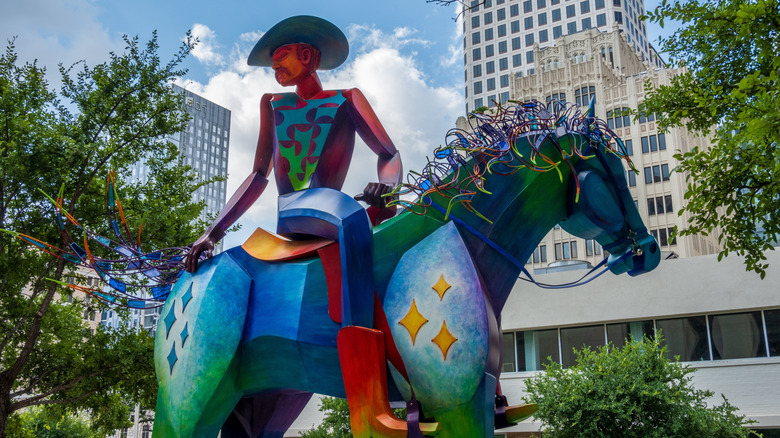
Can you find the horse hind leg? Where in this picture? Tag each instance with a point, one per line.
(265, 415)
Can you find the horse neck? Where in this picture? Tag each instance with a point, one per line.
(522, 207)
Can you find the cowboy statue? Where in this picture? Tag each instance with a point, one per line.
(307, 137)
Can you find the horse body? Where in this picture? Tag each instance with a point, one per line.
(256, 335)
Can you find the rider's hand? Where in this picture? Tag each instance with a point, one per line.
(372, 194)
(204, 245)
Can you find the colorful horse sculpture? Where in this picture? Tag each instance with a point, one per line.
(244, 342)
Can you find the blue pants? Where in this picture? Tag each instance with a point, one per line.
(331, 214)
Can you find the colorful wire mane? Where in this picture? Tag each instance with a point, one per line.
(489, 145)
(150, 274)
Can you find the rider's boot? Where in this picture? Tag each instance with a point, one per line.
(363, 366)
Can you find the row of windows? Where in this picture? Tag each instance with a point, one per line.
(653, 143)
(491, 100)
(696, 338)
(656, 174)
(566, 250)
(660, 205)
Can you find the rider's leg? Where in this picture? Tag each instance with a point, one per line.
(332, 214)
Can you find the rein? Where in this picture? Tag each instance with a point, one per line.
(512, 259)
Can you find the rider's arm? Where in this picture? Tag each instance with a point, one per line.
(247, 193)
(367, 125)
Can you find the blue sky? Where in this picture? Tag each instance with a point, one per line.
(405, 56)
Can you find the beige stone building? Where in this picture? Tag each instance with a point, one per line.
(602, 65)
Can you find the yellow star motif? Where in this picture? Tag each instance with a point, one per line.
(413, 321)
(444, 339)
(441, 287)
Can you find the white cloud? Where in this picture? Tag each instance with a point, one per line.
(54, 31)
(207, 49)
(416, 115)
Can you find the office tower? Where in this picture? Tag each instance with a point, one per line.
(203, 144)
(499, 38)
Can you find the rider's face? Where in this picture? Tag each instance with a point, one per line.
(289, 64)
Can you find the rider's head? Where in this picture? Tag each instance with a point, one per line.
(311, 41)
(293, 62)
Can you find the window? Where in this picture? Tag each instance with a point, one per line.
(570, 11)
(508, 357)
(489, 51)
(535, 347)
(476, 54)
(501, 14)
(515, 26)
(488, 34)
(541, 19)
(662, 142)
(543, 36)
(528, 23)
(529, 40)
(490, 67)
(541, 4)
(478, 103)
(651, 206)
(618, 334)
(477, 71)
(584, 7)
(737, 335)
(582, 96)
(772, 319)
(579, 337)
(571, 27)
(665, 172)
(601, 20)
(656, 174)
(557, 32)
(631, 178)
(504, 96)
(516, 44)
(514, 10)
(503, 63)
(685, 337)
(478, 87)
(475, 22)
(586, 24)
(599, 4)
(529, 56)
(527, 6)
(629, 144)
(556, 15)
(653, 143)
(491, 84)
(504, 81)
(488, 18)
(619, 17)
(668, 204)
(648, 175)
(592, 247)
(501, 30)
(645, 145)
(517, 60)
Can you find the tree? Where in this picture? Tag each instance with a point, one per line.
(105, 117)
(37, 423)
(728, 93)
(635, 391)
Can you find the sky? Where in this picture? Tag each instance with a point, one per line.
(405, 55)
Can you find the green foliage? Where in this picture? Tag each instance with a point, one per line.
(729, 94)
(105, 117)
(37, 423)
(336, 421)
(635, 391)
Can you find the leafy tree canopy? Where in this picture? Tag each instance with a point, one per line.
(105, 117)
(729, 93)
(635, 391)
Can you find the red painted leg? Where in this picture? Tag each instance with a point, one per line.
(362, 356)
